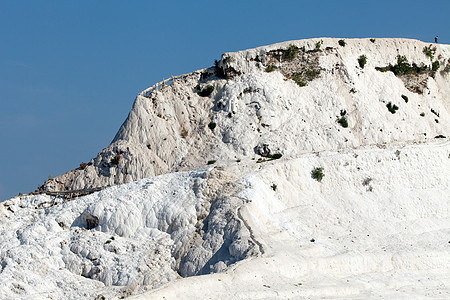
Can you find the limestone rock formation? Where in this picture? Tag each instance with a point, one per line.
(305, 169)
(292, 109)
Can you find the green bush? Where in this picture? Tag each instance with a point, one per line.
(212, 125)
(317, 174)
(311, 73)
(205, 92)
(405, 98)
(440, 136)
(372, 40)
(392, 108)
(341, 43)
(430, 51)
(274, 187)
(435, 66)
(291, 52)
(297, 77)
(362, 60)
(343, 121)
(270, 68)
(353, 91)
(318, 45)
(403, 67)
(422, 114)
(210, 162)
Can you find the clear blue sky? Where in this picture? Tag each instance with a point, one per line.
(70, 70)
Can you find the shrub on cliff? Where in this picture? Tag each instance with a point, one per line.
(270, 68)
(362, 60)
(429, 51)
(317, 174)
(392, 107)
(343, 121)
(291, 52)
(206, 91)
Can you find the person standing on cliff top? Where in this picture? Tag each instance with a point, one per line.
(436, 39)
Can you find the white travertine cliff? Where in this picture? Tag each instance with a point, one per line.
(218, 173)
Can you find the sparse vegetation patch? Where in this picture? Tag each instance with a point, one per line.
(429, 51)
(270, 68)
(291, 52)
(343, 121)
(318, 45)
(341, 43)
(413, 76)
(392, 107)
(405, 98)
(206, 91)
(435, 66)
(295, 63)
(297, 77)
(301, 78)
(317, 174)
(403, 67)
(362, 60)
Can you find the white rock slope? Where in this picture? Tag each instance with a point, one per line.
(167, 129)
(341, 239)
(376, 226)
(122, 240)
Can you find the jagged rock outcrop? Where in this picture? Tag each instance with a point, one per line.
(286, 96)
(125, 239)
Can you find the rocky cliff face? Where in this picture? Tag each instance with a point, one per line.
(320, 161)
(287, 98)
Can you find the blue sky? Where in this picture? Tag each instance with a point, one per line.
(70, 70)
